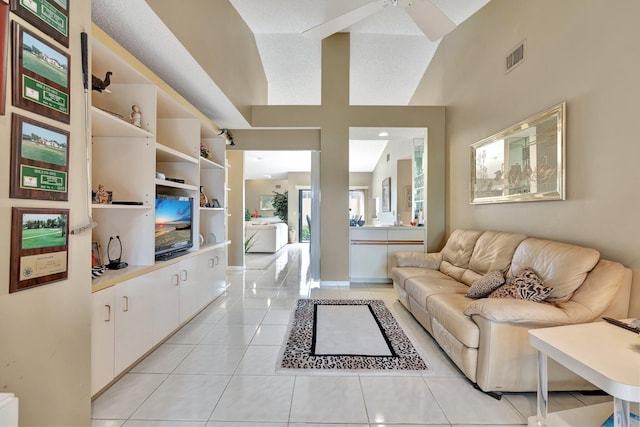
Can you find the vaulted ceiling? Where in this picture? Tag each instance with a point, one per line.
(389, 53)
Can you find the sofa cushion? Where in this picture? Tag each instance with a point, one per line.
(459, 247)
(561, 266)
(525, 285)
(400, 275)
(448, 310)
(418, 259)
(487, 284)
(494, 251)
(422, 287)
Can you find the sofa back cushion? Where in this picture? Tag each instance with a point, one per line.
(457, 252)
(494, 251)
(561, 266)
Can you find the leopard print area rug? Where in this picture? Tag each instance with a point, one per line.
(297, 353)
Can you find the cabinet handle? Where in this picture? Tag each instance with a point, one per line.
(175, 279)
(183, 275)
(126, 304)
(108, 307)
(217, 260)
(212, 263)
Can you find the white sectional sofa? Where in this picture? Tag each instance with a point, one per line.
(267, 237)
(487, 337)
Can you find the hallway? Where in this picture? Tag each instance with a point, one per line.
(219, 370)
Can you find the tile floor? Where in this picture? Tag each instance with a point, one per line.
(219, 370)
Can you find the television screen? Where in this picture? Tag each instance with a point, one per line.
(174, 217)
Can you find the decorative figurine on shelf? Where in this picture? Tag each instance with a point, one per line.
(204, 151)
(203, 198)
(136, 115)
(101, 85)
(102, 195)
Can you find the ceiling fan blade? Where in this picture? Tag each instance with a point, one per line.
(343, 21)
(430, 19)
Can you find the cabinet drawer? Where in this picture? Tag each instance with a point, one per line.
(358, 234)
(409, 235)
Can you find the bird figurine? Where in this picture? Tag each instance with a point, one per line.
(226, 134)
(101, 85)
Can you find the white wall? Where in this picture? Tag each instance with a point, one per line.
(582, 52)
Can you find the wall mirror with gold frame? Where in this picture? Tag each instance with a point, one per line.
(523, 163)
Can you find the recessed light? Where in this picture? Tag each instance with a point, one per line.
(383, 134)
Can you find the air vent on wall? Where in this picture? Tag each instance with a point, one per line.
(516, 57)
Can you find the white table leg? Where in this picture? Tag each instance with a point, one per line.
(543, 390)
(621, 416)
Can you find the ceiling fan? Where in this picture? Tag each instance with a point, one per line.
(427, 16)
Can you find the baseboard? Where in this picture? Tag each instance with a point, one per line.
(334, 283)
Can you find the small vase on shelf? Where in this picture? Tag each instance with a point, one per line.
(203, 198)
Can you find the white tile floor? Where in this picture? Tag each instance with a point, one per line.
(219, 370)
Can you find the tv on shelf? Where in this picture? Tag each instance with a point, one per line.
(174, 220)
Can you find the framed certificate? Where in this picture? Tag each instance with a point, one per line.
(39, 247)
(40, 75)
(49, 16)
(39, 160)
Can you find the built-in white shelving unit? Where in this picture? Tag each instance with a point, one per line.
(136, 308)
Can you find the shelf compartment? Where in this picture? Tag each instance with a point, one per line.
(168, 154)
(171, 184)
(209, 164)
(104, 123)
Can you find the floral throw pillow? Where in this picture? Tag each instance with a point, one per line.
(485, 285)
(525, 285)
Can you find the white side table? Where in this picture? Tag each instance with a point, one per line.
(605, 355)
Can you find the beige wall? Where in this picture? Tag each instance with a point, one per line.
(582, 52)
(254, 188)
(218, 38)
(235, 207)
(45, 341)
(395, 150)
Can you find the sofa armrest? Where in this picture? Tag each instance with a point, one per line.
(418, 259)
(528, 313)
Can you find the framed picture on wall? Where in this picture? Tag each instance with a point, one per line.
(266, 202)
(49, 16)
(39, 160)
(4, 23)
(386, 195)
(39, 247)
(40, 75)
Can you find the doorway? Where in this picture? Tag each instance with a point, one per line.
(304, 220)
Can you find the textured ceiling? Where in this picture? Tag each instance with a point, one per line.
(389, 55)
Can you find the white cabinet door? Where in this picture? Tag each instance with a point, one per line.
(189, 275)
(102, 338)
(133, 329)
(164, 284)
(368, 254)
(213, 264)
